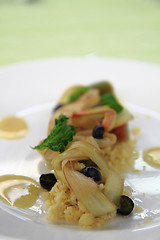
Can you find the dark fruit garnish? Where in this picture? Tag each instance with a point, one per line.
(57, 107)
(47, 181)
(98, 132)
(126, 205)
(93, 173)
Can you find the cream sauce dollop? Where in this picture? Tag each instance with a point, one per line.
(13, 127)
(19, 191)
(152, 156)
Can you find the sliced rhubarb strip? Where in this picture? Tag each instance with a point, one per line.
(87, 191)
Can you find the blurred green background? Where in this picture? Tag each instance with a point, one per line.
(50, 28)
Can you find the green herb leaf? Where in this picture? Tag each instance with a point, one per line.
(77, 93)
(110, 100)
(59, 137)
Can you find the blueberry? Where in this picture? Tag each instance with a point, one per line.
(98, 132)
(93, 173)
(126, 205)
(47, 181)
(57, 107)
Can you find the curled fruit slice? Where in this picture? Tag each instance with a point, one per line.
(86, 190)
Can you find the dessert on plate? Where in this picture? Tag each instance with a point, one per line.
(87, 149)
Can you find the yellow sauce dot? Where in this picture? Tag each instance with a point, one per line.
(152, 157)
(136, 131)
(137, 171)
(147, 219)
(13, 127)
(138, 209)
(18, 191)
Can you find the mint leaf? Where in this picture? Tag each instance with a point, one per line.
(110, 100)
(59, 137)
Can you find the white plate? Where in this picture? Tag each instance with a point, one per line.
(30, 89)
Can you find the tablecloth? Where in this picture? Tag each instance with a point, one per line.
(39, 29)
